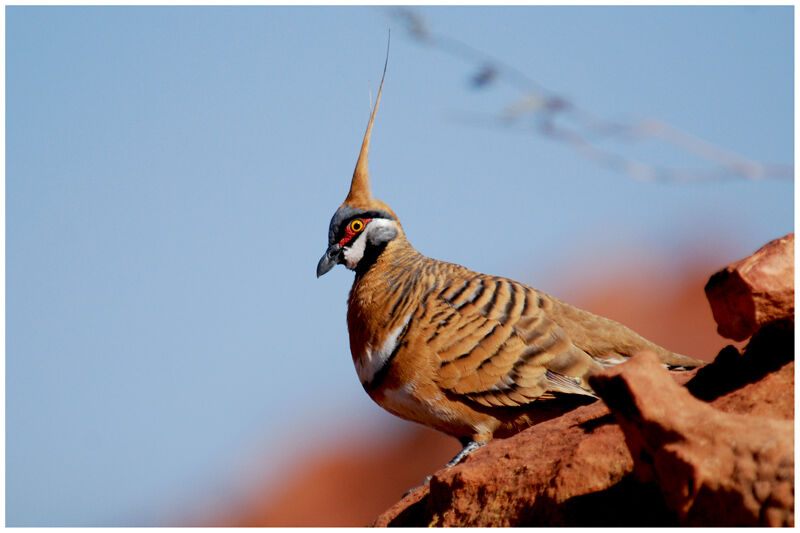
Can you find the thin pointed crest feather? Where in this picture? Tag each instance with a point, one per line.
(360, 193)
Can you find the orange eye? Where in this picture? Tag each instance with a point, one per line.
(356, 225)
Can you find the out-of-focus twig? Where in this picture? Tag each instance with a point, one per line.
(556, 117)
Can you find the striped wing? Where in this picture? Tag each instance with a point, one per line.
(498, 347)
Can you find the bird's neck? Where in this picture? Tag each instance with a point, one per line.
(385, 257)
(381, 267)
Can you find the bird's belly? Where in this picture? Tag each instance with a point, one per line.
(430, 408)
(397, 374)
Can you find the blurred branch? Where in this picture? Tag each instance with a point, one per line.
(555, 117)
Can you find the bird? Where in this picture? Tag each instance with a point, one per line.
(472, 355)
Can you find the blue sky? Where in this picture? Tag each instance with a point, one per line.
(170, 175)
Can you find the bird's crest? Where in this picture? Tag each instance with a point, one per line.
(360, 195)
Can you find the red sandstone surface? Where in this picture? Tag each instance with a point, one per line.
(754, 291)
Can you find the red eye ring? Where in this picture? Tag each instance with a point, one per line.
(355, 227)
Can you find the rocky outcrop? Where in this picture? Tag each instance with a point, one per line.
(712, 467)
(716, 452)
(565, 471)
(576, 470)
(755, 291)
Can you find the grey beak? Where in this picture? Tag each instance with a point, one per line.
(330, 259)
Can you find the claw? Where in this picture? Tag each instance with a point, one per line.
(469, 447)
(412, 489)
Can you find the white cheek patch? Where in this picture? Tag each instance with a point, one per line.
(354, 251)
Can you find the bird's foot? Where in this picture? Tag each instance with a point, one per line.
(412, 489)
(469, 447)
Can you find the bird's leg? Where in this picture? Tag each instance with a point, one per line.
(412, 489)
(469, 446)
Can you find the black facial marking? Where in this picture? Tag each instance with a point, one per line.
(371, 254)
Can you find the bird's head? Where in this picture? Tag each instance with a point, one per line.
(362, 226)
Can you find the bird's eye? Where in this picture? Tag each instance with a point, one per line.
(356, 225)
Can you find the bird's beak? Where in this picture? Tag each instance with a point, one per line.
(330, 259)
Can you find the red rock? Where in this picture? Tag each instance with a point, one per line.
(755, 382)
(754, 291)
(576, 470)
(556, 473)
(504, 483)
(713, 468)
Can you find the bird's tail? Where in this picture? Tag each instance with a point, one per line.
(608, 341)
(676, 361)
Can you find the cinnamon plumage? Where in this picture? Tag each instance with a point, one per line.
(472, 355)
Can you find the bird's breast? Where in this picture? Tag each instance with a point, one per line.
(373, 357)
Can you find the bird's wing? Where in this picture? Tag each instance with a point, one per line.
(497, 346)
